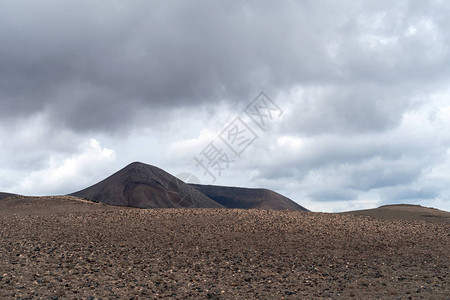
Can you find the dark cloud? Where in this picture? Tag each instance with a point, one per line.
(110, 57)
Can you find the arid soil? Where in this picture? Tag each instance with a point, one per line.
(59, 248)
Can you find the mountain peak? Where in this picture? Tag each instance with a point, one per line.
(145, 186)
(138, 164)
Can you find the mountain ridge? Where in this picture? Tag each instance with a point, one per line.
(248, 198)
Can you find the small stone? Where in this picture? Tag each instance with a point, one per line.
(288, 293)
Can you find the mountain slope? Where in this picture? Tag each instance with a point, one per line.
(235, 197)
(405, 212)
(6, 195)
(145, 186)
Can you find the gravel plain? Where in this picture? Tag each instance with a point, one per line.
(61, 248)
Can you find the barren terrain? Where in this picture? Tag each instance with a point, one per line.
(62, 248)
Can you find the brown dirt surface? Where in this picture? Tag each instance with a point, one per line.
(60, 248)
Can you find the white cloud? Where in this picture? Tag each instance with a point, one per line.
(406, 163)
(63, 174)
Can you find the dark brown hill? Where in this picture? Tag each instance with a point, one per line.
(6, 195)
(145, 186)
(246, 198)
(405, 212)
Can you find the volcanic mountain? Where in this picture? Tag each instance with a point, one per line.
(236, 197)
(145, 186)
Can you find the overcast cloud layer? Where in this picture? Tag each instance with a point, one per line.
(87, 87)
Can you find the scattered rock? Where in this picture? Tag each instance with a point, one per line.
(112, 252)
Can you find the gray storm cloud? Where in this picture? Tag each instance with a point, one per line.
(76, 59)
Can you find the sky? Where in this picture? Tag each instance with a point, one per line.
(354, 111)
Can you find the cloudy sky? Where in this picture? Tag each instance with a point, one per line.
(87, 87)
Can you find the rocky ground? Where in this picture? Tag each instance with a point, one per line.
(67, 249)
